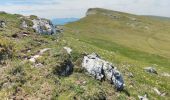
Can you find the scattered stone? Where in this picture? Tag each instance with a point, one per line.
(81, 82)
(101, 69)
(69, 50)
(158, 92)
(133, 18)
(150, 70)
(33, 58)
(145, 97)
(39, 65)
(130, 75)
(44, 50)
(165, 74)
(59, 29)
(20, 34)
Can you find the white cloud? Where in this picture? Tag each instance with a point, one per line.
(77, 8)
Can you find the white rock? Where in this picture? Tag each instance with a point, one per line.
(44, 50)
(69, 50)
(165, 74)
(24, 25)
(43, 26)
(101, 69)
(157, 91)
(32, 60)
(150, 70)
(143, 97)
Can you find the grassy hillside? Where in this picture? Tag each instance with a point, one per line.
(129, 41)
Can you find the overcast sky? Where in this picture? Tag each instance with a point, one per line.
(77, 8)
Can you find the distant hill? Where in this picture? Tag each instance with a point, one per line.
(159, 18)
(62, 21)
(132, 41)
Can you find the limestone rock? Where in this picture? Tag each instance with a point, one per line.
(40, 53)
(24, 25)
(43, 26)
(165, 74)
(150, 70)
(44, 50)
(158, 92)
(69, 50)
(2, 24)
(143, 97)
(101, 69)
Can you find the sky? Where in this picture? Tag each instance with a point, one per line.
(77, 8)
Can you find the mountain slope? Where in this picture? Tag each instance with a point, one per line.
(129, 40)
(31, 64)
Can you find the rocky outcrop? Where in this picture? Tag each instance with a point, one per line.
(101, 69)
(43, 26)
(39, 25)
(24, 25)
(2, 24)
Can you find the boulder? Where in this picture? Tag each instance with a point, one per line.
(43, 26)
(101, 69)
(150, 70)
(2, 24)
(145, 97)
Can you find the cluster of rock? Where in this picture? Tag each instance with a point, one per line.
(101, 69)
(40, 25)
(43, 26)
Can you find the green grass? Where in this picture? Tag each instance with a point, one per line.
(130, 48)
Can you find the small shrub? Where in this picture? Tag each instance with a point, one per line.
(32, 17)
(64, 66)
(6, 49)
